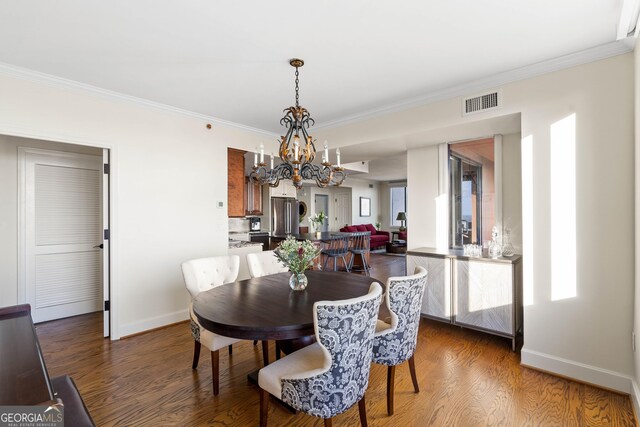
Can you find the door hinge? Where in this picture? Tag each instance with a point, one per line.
(107, 169)
(107, 306)
(106, 234)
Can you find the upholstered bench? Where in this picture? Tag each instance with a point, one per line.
(76, 413)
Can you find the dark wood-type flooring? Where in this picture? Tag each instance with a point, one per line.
(466, 378)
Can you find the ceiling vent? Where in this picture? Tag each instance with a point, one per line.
(479, 103)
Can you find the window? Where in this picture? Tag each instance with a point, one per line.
(398, 197)
(472, 192)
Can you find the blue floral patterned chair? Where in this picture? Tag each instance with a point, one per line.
(201, 275)
(395, 343)
(328, 377)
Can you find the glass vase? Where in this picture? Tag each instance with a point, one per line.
(507, 247)
(298, 281)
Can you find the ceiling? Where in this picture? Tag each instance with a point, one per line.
(229, 59)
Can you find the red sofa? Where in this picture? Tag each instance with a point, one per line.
(378, 238)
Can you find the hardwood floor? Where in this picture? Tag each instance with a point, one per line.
(466, 378)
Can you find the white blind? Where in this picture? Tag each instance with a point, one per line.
(67, 205)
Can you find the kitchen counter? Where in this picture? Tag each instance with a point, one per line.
(325, 235)
(459, 254)
(242, 244)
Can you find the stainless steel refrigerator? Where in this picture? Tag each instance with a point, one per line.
(284, 216)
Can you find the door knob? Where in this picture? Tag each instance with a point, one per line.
(101, 246)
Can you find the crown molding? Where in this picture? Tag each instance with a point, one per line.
(59, 82)
(567, 61)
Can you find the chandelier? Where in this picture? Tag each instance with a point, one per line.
(297, 151)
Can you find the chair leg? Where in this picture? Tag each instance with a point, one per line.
(391, 374)
(326, 260)
(366, 265)
(196, 354)
(265, 352)
(414, 378)
(264, 407)
(278, 351)
(362, 409)
(255, 342)
(230, 350)
(327, 422)
(215, 371)
(346, 266)
(335, 263)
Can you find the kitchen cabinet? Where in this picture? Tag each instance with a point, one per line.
(235, 183)
(253, 197)
(284, 189)
(472, 292)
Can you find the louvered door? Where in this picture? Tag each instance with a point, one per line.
(63, 213)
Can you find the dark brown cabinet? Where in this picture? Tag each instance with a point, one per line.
(235, 183)
(253, 197)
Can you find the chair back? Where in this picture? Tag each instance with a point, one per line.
(404, 300)
(337, 245)
(203, 274)
(360, 241)
(264, 263)
(344, 329)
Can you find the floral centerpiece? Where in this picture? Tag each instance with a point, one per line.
(297, 256)
(317, 220)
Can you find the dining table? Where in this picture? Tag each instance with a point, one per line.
(266, 308)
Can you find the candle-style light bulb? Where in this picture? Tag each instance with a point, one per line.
(325, 158)
(271, 160)
(296, 148)
(261, 153)
(338, 156)
(255, 158)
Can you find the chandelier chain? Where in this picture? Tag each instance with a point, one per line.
(297, 81)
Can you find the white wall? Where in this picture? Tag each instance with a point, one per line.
(423, 197)
(360, 188)
(168, 171)
(636, 300)
(586, 336)
(512, 188)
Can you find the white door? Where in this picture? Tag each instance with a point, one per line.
(322, 205)
(63, 232)
(343, 210)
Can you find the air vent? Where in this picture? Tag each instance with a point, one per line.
(476, 104)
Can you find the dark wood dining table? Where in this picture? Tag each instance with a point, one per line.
(265, 308)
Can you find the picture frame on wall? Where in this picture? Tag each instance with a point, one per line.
(365, 206)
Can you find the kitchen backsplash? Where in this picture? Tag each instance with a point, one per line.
(238, 225)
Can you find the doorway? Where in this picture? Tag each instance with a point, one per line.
(322, 205)
(64, 233)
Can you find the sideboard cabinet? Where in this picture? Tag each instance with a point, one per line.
(473, 292)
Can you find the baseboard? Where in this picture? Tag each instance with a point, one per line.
(635, 396)
(153, 323)
(579, 371)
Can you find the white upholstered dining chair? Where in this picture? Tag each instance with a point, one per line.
(265, 263)
(327, 377)
(395, 343)
(201, 275)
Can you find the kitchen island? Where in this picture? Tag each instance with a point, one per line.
(242, 248)
(314, 237)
